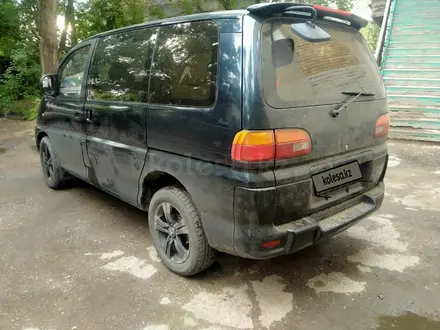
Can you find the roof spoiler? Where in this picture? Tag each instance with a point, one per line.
(268, 9)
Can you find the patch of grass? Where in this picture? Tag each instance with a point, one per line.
(2, 150)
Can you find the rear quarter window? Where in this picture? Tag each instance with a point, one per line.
(319, 71)
(185, 65)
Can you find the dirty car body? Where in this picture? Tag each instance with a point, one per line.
(278, 141)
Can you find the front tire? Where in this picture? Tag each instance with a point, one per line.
(177, 232)
(52, 171)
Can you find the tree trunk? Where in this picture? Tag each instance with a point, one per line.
(70, 16)
(73, 32)
(48, 34)
(69, 20)
(63, 37)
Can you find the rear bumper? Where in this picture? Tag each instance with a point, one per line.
(309, 230)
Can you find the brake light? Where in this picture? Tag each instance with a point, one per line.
(257, 146)
(331, 10)
(382, 125)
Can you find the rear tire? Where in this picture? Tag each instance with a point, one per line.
(52, 171)
(177, 232)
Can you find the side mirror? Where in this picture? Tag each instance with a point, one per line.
(48, 84)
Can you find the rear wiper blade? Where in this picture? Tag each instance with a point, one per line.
(335, 112)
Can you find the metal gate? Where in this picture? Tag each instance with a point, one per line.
(411, 69)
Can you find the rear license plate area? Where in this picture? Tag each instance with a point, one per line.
(338, 176)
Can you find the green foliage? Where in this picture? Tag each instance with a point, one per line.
(344, 4)
(20, 50)
(21, 78)
(156, 12)
(26, 109)
(371, 34)
(32, 112)
(97, 16)
(9, 26)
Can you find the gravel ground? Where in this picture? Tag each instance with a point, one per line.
(81, 259)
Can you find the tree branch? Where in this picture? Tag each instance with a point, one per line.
(35, 33)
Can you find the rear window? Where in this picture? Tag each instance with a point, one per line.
(299, 73)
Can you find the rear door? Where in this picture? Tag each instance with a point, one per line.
(319, 77)
(64, 116)
(116, 104)
(194, 110)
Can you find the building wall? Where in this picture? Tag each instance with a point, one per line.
(378, 9)
(411, 69)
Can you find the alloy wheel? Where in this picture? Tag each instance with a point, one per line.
(172, 232)
(47, 162)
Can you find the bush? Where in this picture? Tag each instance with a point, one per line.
(19, 85)
(22, 109)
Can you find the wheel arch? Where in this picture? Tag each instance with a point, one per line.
(153, 182)
(40, 136)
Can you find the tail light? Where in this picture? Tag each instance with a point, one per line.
(253, 146)
(382, 125)
(290, 143)
(257, 146)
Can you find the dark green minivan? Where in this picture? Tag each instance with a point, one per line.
(255, 132)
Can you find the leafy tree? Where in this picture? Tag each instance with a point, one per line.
(97, 16)
(9, 26)
(19, 53)
(344, 4)
(371, 34)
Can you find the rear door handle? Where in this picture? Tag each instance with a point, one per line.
(89, 119)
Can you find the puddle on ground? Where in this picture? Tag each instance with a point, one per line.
(2, 150)
(407, 321)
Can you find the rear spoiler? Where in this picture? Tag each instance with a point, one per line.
(335, 15)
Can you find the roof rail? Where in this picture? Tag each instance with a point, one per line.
(268, 9)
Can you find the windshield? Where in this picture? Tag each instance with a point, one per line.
(299, 73)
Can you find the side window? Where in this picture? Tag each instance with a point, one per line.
(72, 72)
(185, 65)
(120, 67)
